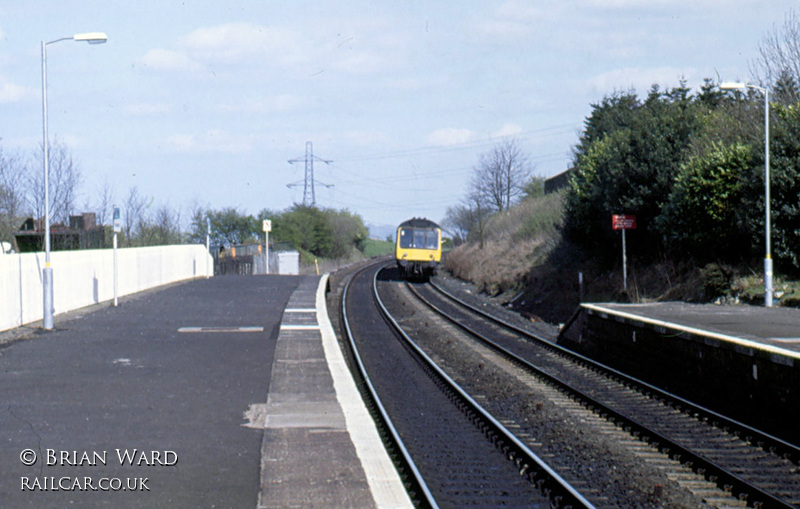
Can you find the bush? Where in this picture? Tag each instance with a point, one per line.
(716, 280)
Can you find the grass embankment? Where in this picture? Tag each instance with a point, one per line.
(524, 262)
(368, 248)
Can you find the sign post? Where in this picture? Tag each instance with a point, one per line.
(117, 229)
(208, 245)
(267, 227)
(623, 222)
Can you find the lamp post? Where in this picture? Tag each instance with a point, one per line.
(768, 290)
(47, 272)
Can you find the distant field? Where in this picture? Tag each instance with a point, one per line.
(374, 247)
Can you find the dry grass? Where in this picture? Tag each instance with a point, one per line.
(515, 242)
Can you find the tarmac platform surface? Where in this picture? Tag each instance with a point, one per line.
(228, 392)
(775, 329)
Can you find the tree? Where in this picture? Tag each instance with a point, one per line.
(501, 174)
(349, 232)
(785, 190)
(105, 203)
(706, 198)
(630, 167)
(779, 56)
(64, 180)
(534, 188)
(230, 227)
(12, 195)
(159, 229)
(135, 206)
(457, 222)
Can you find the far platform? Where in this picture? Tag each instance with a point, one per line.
(776, 327)
(739, 360)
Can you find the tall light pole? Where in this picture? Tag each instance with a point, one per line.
(768, 290)
(47, 273)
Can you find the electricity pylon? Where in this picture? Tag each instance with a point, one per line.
(309, 196)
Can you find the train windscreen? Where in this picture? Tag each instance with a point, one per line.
(419, 238)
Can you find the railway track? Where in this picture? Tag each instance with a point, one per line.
(746, 466)
(451, 452)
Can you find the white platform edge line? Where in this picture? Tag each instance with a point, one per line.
(692, 330)
(385, 484)
(289, 326)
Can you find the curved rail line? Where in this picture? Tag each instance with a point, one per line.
(415, 484)
(723, 477)
(530, 466)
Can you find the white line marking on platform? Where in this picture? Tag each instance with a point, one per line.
(221, 329)
(786, 340)
(299, 310)
(299, 327)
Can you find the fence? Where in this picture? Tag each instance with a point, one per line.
(83, 278)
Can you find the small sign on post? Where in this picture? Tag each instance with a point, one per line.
(267, 227)
(623, 222)
(117, 229)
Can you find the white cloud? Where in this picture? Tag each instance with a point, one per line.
(236, 41)
(168, 60)
(277, 103)
(515, 18)
(9, 92)
(450, 136)
(371, 48)
(146, 109)
(507, 130)
(639, 79)
(213, 140)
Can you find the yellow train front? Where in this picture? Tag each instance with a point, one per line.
(418, 248)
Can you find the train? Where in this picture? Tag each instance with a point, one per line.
(418, 247)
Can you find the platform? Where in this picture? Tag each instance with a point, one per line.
(320, 446)
(773, 329)
(739, 360)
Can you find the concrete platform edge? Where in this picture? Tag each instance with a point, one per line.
(384, 481)
(691, 330)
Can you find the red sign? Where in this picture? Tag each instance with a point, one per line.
(623, 222)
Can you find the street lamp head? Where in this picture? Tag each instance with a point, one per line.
(732, 85)
(91, 37)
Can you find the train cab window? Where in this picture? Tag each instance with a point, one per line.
(431, 240)
(406, 239)
(419, 238)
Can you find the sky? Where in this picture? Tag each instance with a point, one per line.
(200, 103)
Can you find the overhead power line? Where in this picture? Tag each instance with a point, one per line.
(471, 144)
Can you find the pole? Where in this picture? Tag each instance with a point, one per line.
(47, 273)
(208, 244)
(624, 263)
(266, 251)
(768, 290)
(116, 278)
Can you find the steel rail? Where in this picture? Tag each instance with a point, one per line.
(697, 462)
(418, 485)
(769, 443)
(547, 479)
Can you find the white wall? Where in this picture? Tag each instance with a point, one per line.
(82, 278)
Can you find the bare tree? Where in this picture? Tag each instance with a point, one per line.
(105, 203)
(64, 180)
(779, 58)
(135, 206)
(12, 195)
(501, 175)
(159, 229)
